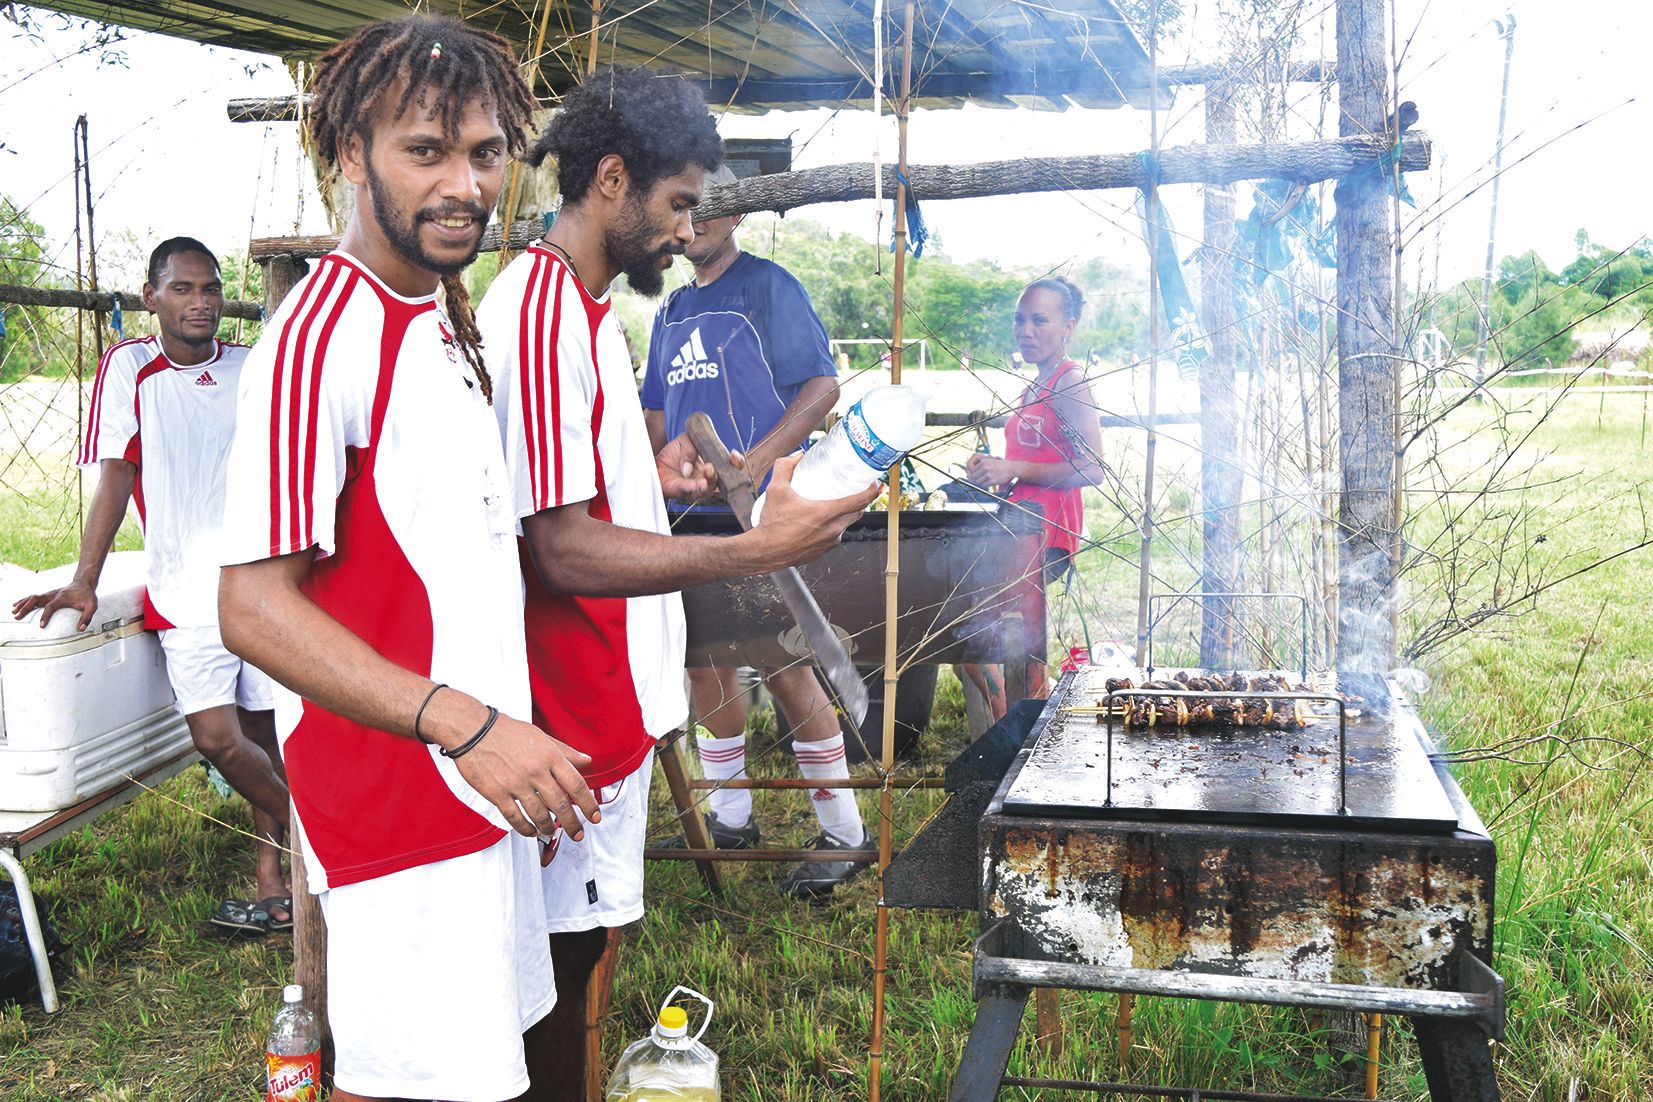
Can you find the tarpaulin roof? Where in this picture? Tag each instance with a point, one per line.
(754, 54)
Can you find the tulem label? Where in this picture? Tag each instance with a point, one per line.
(294, 1078)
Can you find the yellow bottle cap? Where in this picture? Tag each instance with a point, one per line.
(674, 1017)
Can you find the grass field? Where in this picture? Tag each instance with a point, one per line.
(155, 1007)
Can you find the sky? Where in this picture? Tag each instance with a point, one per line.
(165, 159)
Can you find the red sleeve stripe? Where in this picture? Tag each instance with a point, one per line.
(542, 395)
(527, 376)
(91, 432)
(297, 372)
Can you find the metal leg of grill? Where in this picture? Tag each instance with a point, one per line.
(1457, 1061)
(992, 1035)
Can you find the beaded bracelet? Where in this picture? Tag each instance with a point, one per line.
(470, 744)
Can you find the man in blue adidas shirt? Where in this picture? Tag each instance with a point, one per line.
(742, 343)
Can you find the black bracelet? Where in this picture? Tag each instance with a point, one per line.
(470, 744)
(420, 714)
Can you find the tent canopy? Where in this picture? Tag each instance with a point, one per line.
(753, 54)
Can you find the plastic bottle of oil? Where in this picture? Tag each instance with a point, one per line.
(668, 1065)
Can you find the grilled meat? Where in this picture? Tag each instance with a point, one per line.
(1187, 711)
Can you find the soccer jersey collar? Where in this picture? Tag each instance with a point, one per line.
(379, 284)
(217, 354)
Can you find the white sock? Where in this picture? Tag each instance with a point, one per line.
(835, 807)
(724, 759)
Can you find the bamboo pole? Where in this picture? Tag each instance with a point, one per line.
(510, 211)
(1374, 1047)
(596, 21)
(892, 575)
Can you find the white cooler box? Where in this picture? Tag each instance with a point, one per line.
(80, 711)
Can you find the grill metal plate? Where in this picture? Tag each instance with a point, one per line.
(1235, 775)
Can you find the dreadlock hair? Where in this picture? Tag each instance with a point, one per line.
(170, 248)
(1073, 299)
(657, 123)
(456, 61)
(440, 65)
(465, 332)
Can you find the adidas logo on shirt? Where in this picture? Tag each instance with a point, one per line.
(205, 379)
(691, 363)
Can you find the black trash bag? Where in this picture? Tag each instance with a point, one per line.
(17, 978)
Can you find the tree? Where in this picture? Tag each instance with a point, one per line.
(23, 261)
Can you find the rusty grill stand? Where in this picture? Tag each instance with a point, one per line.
(1207, 875)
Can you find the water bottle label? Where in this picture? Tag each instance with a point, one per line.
(873, 451)
(294, 1078)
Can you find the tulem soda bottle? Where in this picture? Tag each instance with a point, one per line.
(292, 1055)
(872, 437)
(668, 1065)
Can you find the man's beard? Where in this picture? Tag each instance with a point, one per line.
(630, 243)
(402, 229)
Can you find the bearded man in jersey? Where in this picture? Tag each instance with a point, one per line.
(604, 619)
(373, 573)
(161, 420)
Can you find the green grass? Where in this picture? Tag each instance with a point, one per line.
(155, 1007)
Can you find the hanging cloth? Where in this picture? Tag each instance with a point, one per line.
(1175, 304)
(917, 235)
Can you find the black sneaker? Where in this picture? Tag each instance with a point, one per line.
(744, 836)
(816, 879)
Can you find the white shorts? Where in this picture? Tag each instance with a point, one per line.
(204, 674)
(433, 974)
(598, 881)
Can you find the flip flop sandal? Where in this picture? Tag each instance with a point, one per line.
(268, 905)
(242, 916)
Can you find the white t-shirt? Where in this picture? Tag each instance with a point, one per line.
(175, 423)
(364, 436)
(606, 672)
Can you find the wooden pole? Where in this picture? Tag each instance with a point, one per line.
(1307, 162)
(892, 577)
(309, 927)
(20, 294)
(1220, 476)
(1151, 204)
(1366, 353)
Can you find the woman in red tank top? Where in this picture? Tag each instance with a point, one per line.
(1053, 443)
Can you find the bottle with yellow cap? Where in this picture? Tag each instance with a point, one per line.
(668, 1065)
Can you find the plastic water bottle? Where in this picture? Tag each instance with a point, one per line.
(668, 1065)
(875, 435)
(292, 1055)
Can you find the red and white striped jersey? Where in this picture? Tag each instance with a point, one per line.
(175, 424)
(606, 672)
(364, 436)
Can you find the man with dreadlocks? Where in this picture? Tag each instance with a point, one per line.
(373, 574)
(604, 620)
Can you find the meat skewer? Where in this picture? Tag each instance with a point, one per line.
(1180, 711)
